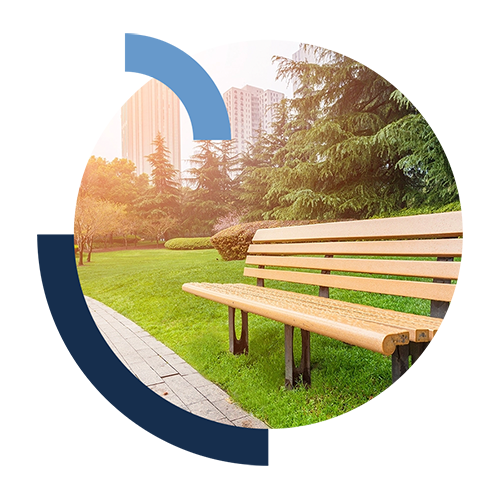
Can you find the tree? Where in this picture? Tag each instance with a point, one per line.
(259, 162)
(94, 218)
(164, 175)
(161, 199)
(115, 181)
(157, 227)
(354, 147)
(211, 178)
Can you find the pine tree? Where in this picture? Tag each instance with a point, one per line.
(161, 200)
(211, 177)
(259, 164)
(355, 147)
(164, 175)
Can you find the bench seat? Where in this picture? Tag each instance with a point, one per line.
(379, 330)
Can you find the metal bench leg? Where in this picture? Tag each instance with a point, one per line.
(238, 346)
(400, 412)
(292, 373)
(416, 349)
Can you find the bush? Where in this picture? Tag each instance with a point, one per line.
(188, 243)
(232, 243)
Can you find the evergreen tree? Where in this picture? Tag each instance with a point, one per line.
(161, 200)
(354, 147)
(211, 177)
(258, 164)
(164, 175)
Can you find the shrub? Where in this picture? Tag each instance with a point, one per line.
(188, 243)
(232, 243)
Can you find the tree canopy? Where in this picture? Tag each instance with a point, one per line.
(348, 144)
(213, 187)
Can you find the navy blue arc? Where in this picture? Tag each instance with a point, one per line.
(91, 409)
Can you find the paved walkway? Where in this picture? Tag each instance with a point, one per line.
(164, 372)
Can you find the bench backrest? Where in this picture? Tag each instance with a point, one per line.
(419, 237)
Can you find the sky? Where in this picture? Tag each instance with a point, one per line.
(231, 65)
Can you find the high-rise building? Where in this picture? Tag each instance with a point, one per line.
(153, 108)
(250, 110)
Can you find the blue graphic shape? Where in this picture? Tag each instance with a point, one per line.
(120, 59)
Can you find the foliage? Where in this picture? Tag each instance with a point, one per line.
(348, 144)
(188, 243)
(211, 177)
(157, 227)
(259, 163)
(113, 181)
(140, 208)
(164, 175)
(94, 217)
(158, 206)
(450, 207)
(232, 243)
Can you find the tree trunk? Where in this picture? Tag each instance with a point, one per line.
(80, 251)
(91, 244)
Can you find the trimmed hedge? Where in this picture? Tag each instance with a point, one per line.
(188, 243)
(232, 243)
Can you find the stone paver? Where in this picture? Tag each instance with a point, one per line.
(166, 373)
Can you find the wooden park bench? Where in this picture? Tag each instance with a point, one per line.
(393, 255)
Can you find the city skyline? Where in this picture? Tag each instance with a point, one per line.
(234, 65)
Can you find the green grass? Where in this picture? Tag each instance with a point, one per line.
(145, 286)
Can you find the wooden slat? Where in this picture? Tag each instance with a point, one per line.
(417, 289)
(420, 328)
(416, 248)
(444, 225)
(420, 269)
(369, 335)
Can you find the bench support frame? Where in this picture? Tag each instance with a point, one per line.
(400, 405)
(238, 346)
(293, 374)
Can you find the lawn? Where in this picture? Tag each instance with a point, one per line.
(145, 286)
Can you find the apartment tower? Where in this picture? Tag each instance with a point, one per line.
(249, 110)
